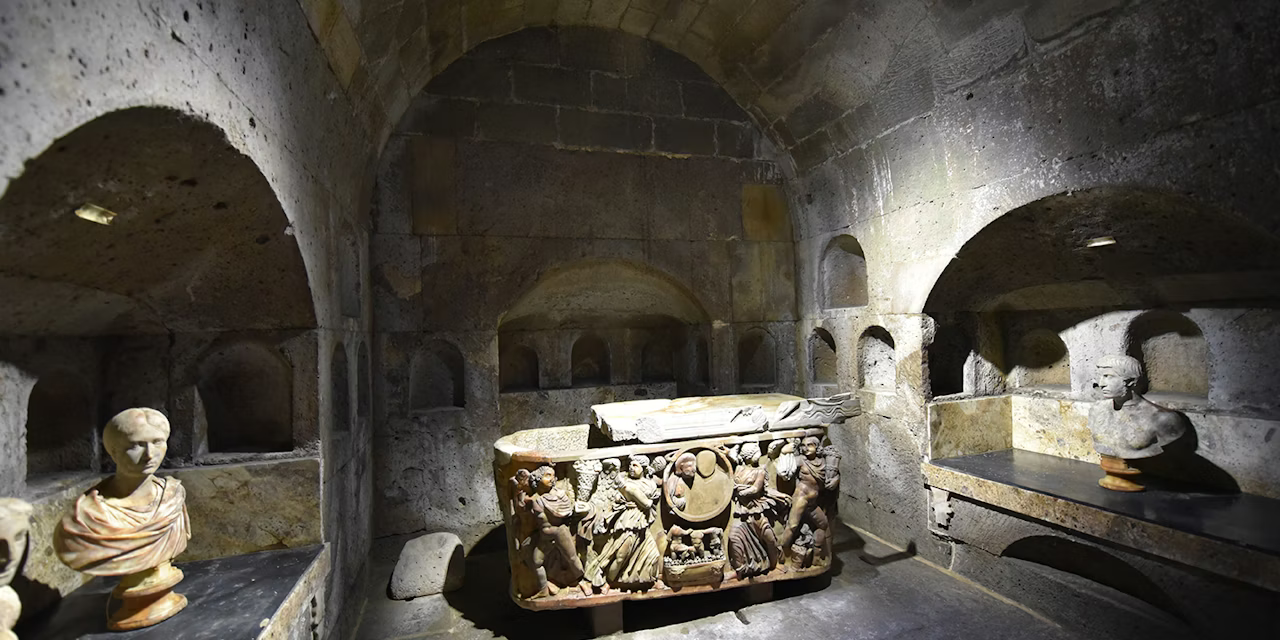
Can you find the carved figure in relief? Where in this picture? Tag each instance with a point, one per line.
(680, 481)
(631, 557)
(802, 548)
(606, 493)
(815, 479)
(815, 412)
(132, 524)
(1125, 425)
(753, 547)
(15, 521)
(551, 550)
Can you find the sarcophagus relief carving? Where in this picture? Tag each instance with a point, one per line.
(749, 499)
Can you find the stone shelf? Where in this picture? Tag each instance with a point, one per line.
(1234, 535)
(256, 595)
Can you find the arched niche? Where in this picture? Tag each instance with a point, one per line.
(589, 361)
(658, 360)
(877, 362)
(1172, 350)
(61, 425)
(437, 378)
(701, 361)
(340, 381)
(364, 383)
(947, 356)
(822, 357)
(757, 360)
(599, 294)
(194, 231)
(246, 390)
(1111, 248)
(517, 367)
(1040, 359)
(843, 274)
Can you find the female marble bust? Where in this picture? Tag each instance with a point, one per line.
(132, 524)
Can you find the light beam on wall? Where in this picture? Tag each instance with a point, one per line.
(1100, 241)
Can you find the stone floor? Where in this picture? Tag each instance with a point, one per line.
(874, 591)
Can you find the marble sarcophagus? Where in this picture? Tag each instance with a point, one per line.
(666, 497)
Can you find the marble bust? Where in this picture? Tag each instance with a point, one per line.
(1125, 425)
(132, 524)
(15, 516)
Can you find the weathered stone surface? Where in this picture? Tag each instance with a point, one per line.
(428, 565)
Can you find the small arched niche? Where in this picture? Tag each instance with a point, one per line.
(757, 360)
(436, 378)
(61, 429)
(247, 393)
(843, 276)
(1040, 359)
(517, 367)
(701, 361)
(364, 389)
(948, 355)
(589, 361)
(822, 357)
(1172, 350)
(657, 360)
(877, 364)
(340, 376)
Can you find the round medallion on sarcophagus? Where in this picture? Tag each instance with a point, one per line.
(698, 484)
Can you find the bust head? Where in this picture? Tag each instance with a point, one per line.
(542, 479)
(638, 466)
(1118, 376)
(685, 465)
(137, 440)
(15, 518)
(750, 452)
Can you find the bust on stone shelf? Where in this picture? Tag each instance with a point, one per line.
(1127, 426)
(132, 524)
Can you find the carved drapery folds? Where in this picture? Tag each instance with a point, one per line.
(655, 519)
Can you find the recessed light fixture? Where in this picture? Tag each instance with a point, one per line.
(1100, 241)
(94, 213)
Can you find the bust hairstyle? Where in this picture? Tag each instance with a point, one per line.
(1126, 366)
(115, 436)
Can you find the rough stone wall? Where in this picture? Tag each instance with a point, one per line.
(253, 70)
(541, 151)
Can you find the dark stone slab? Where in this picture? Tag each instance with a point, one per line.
(1239, 518)
(227, 599)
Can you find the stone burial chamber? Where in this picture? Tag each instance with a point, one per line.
(378, 319)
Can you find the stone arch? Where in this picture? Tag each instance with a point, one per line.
(340, 385)
(757, 360)
(603, 293)
(1172, 350)
(62, 430)
(173, 185)
(589, 361)
(877, 362)
(437, 378)
(1110, 248)
(1093, 564)
(822, 357)
(843, 274)
(517, 367)
(246, 390)
(1040, 358)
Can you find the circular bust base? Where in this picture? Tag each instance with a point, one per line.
(1119, 475)
(145, 598)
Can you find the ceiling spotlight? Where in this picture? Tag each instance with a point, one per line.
(1100, 241)
(94, 213)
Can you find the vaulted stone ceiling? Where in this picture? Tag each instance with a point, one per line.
(795, 65)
